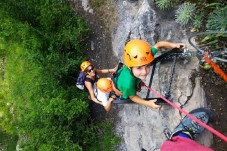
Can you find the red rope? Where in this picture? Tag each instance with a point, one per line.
(189, 115)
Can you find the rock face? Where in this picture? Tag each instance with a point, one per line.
(136, 20)
(139, 126)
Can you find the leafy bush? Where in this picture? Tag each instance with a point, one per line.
(217, 20)
(106, 140)
(185, 13)
(8, 142)
(188, 13)
(198, 20)
(43, 57)
(166, 4)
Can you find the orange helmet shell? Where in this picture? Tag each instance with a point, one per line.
(137, 53)
(105, 85)
(84, 65)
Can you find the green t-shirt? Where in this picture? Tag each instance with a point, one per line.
(127, 83)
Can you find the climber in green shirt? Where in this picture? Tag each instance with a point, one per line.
(138, 56)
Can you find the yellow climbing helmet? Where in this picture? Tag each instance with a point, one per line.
(105, 85)
(137, 53)
(84, 65)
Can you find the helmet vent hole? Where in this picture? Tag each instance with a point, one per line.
(129, 56)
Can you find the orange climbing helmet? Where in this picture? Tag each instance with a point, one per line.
(137, 53)
(84, 65)
(105, 85)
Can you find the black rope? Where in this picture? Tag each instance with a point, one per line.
(151, 79)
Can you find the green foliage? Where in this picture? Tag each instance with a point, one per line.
(44, 47)
(6, 108)
(217, 20)
(213, 41)
(23, 10)
(106, 140)
(198, 20)
(207, 9)
(8, 142)
(185, 13)
(2, 49)
(166, 4)
(214, 5)
(195, 12)
(42, 108)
